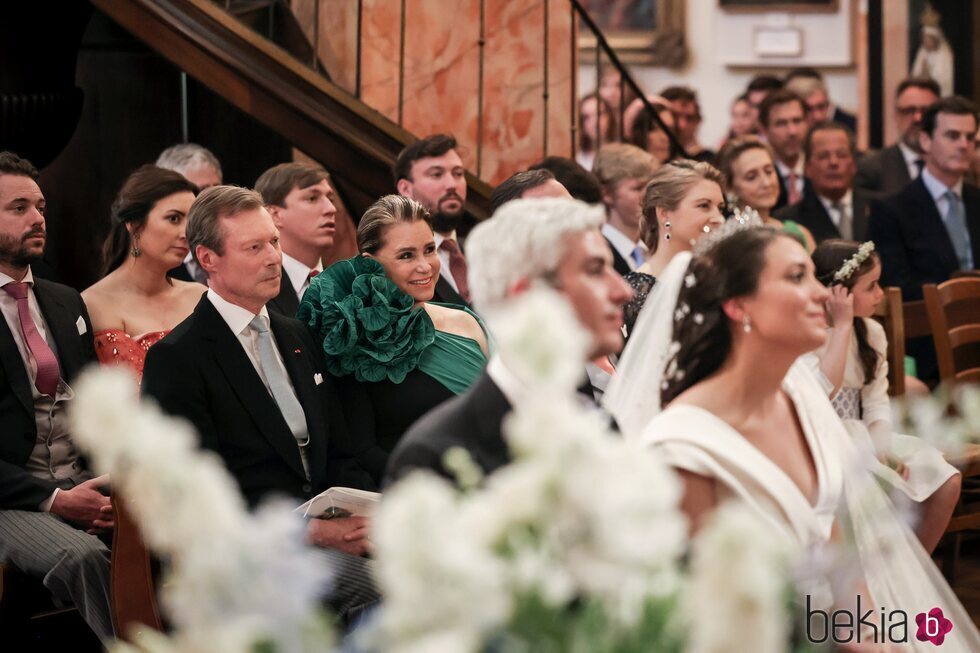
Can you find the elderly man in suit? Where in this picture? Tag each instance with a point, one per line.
(889, 170)
(51, 508)
(254, 383)
(299, 198)
(931, 228)
(831, 207)
(527, 241)
(431, 172)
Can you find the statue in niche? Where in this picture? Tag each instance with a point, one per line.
(934, 58)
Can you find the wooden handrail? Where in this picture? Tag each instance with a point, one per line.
(356, 143)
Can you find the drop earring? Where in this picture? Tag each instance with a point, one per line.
(667, 230)
(746, 323)
(136, 251)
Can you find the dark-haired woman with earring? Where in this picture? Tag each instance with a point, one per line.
(136, 304)
(747, 423)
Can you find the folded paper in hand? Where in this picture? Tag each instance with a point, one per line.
(340, 502)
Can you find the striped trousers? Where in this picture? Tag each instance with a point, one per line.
(73, 565)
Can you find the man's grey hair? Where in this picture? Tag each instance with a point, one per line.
(203, 219)
(523, 240)
(187, 156)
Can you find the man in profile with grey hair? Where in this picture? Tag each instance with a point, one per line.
(202, 168)
(527, 242)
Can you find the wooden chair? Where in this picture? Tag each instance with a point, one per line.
(954, 317)
(133, 588)
(890, 314)
(966, 515)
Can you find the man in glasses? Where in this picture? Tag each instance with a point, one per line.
(892, 168)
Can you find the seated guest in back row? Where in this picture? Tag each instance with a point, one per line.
(527, 242)
(396, 353)
(202, 168)
(430, 171)
(579, 182)
(831, 207)
(254, 383)
(623, 170)
(135, 304)
(931, 228)
(298, 197)
(526, 184)
(48, 499)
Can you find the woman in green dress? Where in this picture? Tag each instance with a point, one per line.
(748, 166)
(396, 354)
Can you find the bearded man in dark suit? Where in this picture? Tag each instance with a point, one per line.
(51, 508)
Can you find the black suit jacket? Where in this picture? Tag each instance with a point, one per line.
(62, 307)
(620, 264)
(181, 273)
(200, 371)
(849, 120)
(912, 240)
(811, 213)
(472, 420)
(286, 302)
(882, 173)
(783, 199)
(445, 293)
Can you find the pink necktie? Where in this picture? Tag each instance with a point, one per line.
(793, 193)
(457, 267)
(48, 372)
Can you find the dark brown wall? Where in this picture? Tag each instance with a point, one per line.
(132, 111)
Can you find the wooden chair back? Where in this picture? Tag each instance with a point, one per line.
(133, 590)
(954, 317)
(891, 316)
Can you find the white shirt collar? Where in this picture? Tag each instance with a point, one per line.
(298, 273)
(937, 188)
(829, 204)
(910, 155)
(236, 317)
(509, 385)
(784, 169)
(439, 238)
(621, 242)
(28, 278)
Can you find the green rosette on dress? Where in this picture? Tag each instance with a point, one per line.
(368, 326)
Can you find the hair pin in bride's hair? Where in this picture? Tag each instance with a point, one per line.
(742, 219)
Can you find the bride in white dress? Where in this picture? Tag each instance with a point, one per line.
(718, 343)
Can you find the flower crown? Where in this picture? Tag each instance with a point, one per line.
(742, 219)
(851, 265)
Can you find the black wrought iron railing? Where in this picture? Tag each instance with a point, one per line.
(605, 57)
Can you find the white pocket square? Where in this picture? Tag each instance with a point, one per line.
(80, 324)
(318, 378)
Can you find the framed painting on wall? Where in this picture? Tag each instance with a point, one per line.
(648, 32)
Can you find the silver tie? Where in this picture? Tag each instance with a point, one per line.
(282, 391)
(846, 224)
(956, 227)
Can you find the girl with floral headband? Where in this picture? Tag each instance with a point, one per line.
(853, 368)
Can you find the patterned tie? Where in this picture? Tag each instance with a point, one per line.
(457, 267)
(638, 255)
(282, 390)
(792, 191)
(48, 372)
(956, 226)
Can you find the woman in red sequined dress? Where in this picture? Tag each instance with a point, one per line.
(135, 304)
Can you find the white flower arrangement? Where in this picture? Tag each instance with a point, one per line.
(577, 545)
(237, 580)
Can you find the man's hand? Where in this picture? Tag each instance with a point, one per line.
(85, 505)
(840, 306)
(347, 534)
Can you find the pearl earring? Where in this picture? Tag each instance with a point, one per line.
(746, 323)
(667, 233)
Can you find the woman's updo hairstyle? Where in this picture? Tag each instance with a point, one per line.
(387, 211)
(829, 256)
(137, 197)
(668, 186)
(702, 333)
